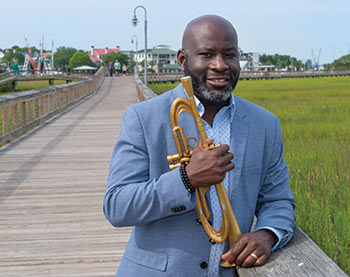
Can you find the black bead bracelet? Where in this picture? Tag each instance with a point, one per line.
(185, 179)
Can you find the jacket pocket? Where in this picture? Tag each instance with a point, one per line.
(147, 258)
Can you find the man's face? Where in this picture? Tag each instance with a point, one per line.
(211, 58)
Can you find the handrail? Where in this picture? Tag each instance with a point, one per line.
(251, 75)
(22, 111)
(41, 75)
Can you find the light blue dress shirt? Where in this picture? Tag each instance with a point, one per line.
(221, 132)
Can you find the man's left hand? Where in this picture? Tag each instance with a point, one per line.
(252, 249)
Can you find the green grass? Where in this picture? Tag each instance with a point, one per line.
(29, 85)
(315, 120)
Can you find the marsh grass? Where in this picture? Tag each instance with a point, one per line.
(315, 120)
(29, 85)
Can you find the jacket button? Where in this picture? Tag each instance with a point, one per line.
(204, 265)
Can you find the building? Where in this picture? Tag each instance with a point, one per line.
(157, 57)
(250, 62)
(97, 54)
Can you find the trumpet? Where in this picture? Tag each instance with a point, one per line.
(229, 227)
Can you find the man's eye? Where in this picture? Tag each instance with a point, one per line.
(207, 55)
(231, 55)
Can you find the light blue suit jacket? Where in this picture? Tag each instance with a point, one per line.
(143, 192)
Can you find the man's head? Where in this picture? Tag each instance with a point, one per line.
(210, 56)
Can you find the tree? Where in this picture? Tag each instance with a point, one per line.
(160, 65)
(11, 56)
(282, 61)
(112, 56)
(308, 64)
(62, 56)
(78, 59)
(343, 63)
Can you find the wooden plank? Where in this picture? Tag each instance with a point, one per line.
(22, 108)
(301, 257)
(14, 117)
(52, 186)
(29, 110)
(5, 120)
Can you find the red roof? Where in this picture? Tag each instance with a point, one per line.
(102, 51)
(95, 59)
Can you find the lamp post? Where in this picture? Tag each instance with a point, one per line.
(134, 23)
(132, 41)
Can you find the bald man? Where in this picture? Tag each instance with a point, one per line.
(160, 204)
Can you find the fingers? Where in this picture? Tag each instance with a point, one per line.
(248, 251)
(208, 167)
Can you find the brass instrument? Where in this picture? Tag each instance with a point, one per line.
(229, 228)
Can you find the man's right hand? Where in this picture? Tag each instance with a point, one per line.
(208, 167)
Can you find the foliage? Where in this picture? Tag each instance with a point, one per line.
(80, 58)
(112, 56)
(343, 63)
(62, 57)
(6, 87)
(10, 57)
(315, 120)
(308, 65)
(282, 61)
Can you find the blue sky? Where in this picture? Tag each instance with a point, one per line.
(269, 26)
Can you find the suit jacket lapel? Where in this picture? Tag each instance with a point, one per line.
(239, 135)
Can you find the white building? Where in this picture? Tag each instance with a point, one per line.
(158, 55)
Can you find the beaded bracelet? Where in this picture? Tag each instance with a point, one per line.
(185, 179)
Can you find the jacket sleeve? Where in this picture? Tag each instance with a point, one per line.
(276, 203)
(132, 197)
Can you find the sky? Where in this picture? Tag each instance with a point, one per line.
(268, 27)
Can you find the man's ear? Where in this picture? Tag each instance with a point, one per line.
(181, 57)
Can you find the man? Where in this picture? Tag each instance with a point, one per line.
(142, 192)
(117, 67)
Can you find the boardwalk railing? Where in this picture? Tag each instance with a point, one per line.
(301, 257)
(252, 75)
(22, 111)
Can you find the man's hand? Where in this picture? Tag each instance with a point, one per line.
(208, 167)
(252, 249)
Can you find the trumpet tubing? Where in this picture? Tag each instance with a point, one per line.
(229, 228)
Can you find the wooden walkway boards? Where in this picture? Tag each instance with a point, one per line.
(52, 184)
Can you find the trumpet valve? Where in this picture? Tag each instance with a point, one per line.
(173, 159)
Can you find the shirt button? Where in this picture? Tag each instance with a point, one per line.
(204, 265)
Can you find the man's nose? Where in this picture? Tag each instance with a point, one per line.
(219, 63)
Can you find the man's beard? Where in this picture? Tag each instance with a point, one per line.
(212, 96)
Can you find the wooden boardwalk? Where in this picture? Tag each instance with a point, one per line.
(52, 184)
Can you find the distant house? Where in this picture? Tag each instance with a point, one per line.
(171, 68)
(158, 55)
(97, 54)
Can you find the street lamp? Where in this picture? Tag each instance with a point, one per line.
(132, 41)
(134, 23)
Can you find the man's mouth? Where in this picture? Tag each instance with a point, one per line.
(218, 81)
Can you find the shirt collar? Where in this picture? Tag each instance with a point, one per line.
(231, 107)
